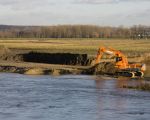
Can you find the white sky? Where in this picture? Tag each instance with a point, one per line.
(54, 12)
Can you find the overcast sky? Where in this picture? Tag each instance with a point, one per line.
(54, 12)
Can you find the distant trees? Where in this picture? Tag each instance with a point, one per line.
(74, 31)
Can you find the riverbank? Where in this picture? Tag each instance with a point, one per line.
(48, 57)
(40, 68)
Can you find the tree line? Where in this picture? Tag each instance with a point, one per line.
(74, 31)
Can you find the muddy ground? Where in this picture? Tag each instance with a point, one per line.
(29, 62)
(51, 58)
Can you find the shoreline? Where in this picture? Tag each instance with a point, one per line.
(30, 68)
(40, 69)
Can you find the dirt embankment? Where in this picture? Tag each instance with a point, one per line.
(55, 58)
(42, 63)
(50, 58)
(51, 63)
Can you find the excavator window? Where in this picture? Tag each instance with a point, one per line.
(118, 59)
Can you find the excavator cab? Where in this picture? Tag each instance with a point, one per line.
(118, 59)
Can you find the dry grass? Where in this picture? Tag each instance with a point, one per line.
(88, 46)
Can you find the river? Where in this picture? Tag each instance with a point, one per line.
(69, 97)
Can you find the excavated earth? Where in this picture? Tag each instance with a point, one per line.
(38, 63)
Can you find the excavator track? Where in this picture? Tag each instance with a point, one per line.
(136, 74)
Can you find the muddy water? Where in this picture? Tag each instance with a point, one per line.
(70, 98)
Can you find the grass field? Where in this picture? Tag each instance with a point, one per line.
(88, 46)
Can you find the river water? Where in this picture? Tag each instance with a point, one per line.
(69, 97)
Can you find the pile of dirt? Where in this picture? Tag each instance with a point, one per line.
(5, 53)
(102, 68)
(9, 56)
(4, 50)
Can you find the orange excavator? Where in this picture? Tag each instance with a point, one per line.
(121, 63)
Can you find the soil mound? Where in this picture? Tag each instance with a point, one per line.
(4, 50)
(102, 68)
